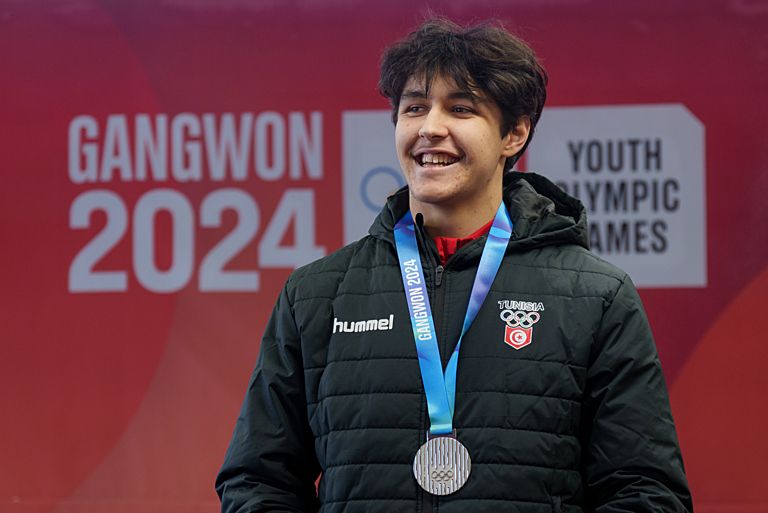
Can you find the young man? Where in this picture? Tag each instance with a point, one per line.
(470, 354)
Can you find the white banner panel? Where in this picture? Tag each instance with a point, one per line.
(370, 167)
(639, 170)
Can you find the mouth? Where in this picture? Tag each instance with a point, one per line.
(435, 159)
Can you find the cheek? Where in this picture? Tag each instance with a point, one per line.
(403, 134)
(491, 147)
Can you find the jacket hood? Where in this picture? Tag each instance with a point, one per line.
(542, 214)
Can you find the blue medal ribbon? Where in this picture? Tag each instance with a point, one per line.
(439, 387)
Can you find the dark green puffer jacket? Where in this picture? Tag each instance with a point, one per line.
(578, 420)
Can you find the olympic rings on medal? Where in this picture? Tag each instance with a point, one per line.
(519, 318)
(441, 475)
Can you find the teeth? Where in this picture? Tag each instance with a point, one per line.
(437, 159)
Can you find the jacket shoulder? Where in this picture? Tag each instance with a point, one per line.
(324, 277)
(583, 271)
(586, 261)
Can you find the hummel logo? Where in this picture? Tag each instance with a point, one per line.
(360, 326)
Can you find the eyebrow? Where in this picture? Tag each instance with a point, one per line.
(457, 95)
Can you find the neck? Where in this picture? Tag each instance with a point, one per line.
(456, 221)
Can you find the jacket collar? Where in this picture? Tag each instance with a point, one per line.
(541, 212)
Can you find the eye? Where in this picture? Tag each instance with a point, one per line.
(413, 109)
(462, 109)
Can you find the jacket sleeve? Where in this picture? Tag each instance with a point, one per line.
(632, 457)
(270, 464)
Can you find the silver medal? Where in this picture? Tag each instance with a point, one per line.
(442, 465)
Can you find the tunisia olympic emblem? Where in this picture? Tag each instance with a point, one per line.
(518, 332)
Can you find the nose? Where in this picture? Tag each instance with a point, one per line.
(433, 125)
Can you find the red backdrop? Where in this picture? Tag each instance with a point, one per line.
(123, 397)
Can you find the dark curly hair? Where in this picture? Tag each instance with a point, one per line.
(483, 57)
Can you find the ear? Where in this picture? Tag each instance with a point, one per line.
(515, 139)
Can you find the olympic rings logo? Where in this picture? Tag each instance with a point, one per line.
(441, 475)
(519, 318)
(392, 181)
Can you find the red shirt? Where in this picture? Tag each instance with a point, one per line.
(447, 246)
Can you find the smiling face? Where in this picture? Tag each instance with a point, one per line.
(451, 150)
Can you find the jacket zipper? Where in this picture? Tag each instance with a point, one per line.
(439, 275)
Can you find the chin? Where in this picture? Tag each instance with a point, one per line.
(432, 195)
